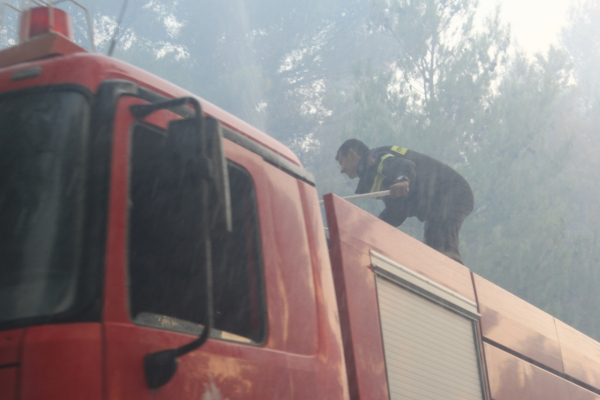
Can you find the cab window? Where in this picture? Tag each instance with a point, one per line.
(166, 287)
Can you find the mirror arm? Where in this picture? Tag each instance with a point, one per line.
(160, 367)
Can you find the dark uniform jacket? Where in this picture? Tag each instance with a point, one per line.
(436, 191)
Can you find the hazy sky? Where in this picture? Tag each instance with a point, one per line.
(534, 23)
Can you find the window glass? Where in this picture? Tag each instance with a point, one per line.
(238, 294)
(42, 138)
(166, 286)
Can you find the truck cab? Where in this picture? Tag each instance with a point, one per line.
(102, 263)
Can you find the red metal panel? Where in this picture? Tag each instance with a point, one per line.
(486, 379)
(359, 319)
(580, 355)
(8, 383)
(517, 325)
(353, 233)
(332, 379)
(289, 269)
(514, 379)
(115, 279)
(218, 370)
(363, 231)
(10, 354)
(10, 346)
(62, 362)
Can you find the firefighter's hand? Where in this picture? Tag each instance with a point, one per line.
(399, 189)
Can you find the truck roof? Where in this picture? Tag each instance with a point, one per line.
(62, 61)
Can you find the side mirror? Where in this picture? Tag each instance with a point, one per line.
(198, 143)
(214, 137)
(184, 134)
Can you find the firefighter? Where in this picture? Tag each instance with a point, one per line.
(419, 185)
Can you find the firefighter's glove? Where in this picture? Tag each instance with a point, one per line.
(399, 189)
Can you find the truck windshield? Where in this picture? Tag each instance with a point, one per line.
(42, 139)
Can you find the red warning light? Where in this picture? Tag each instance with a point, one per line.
(38, 20)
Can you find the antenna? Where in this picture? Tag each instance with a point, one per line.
(117, 30)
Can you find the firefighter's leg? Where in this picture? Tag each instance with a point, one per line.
(450, 210)
(442, 235)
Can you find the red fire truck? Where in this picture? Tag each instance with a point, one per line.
(155, 247)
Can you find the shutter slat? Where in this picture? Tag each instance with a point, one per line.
(423, 385)
(419, 355)
(416, 306)
(433, 333)
(419, 338)
(424, 376)
(420, 311)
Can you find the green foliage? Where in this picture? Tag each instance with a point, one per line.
(578, 295)
(438, 82)
(518, 229)
(582, 39)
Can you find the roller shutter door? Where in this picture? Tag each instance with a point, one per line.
(429, 339)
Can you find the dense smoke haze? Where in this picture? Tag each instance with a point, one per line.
(523, 129)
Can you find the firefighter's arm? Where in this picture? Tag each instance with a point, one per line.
(394, 216)
(402, 171)
(397, 167)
